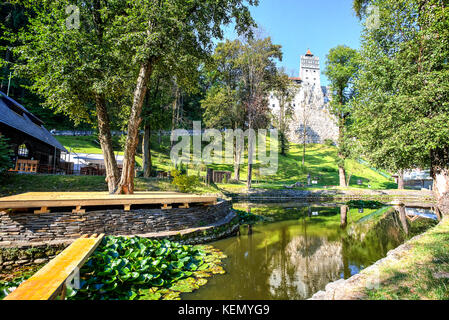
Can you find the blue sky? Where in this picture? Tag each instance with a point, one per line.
(301, 24)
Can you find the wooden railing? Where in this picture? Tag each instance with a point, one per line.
(26, 166)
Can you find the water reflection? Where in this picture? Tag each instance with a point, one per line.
(303, 248)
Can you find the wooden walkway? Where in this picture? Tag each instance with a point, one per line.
(42, 201)
(50, 281)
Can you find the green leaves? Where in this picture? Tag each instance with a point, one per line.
(138, 268)
(402, 110)
(5, 155)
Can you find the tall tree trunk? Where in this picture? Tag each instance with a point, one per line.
(344, 216)
(342, 175)
(175, 108)
(105, 137)
(251, 142)
(341, 164)
(304, 137)
(126, 184)
(401, 185)
(146, 150)
(440, 175)
(237, 158)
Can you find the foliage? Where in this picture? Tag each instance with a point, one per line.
(183, 182)
(284, 90)
(14, 278)
(329, 142)
(342, 66)
(5, 155)
(246, 217)
(365, 204)
(139, 268)
(6, 287)
(102, 66)
(402, 110)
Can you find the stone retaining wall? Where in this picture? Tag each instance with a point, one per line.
(23, 228)
(206, 224)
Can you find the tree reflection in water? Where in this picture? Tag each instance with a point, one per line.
(293, 259)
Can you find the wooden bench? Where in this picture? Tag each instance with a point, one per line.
(51, 281)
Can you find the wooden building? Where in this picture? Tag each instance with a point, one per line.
(30, 141)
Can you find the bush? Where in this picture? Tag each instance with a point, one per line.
(183, 182)
(329, 142)
(5, 155)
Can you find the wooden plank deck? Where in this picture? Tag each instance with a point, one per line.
(77, 200)
(49, 282)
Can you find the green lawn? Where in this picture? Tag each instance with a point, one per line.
(321, 163)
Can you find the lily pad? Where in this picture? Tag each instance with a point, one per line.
(185, 285)
(217, 270)
(172, 295)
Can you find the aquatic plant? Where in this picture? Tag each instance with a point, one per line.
(365, 204)
(248, 217)
(138, 268)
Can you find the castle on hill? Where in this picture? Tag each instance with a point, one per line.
(310, 105)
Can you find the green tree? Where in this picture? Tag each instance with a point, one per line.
(5, 155)
(245, 74)
(258, 64)
(285, 91)
(341, 69)
(402, 109)
(116, 46)
(222, 106)
(171, 28)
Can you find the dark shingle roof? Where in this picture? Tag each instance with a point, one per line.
(16, 116)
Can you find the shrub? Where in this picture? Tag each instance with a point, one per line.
(183, 182)
(5, 155)
(329, 142)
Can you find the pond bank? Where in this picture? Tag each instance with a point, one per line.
(410, 196)
(416, 270)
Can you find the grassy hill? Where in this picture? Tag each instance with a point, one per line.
(321, 163)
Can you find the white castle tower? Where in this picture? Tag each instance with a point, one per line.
(309, 70)
(320, 124)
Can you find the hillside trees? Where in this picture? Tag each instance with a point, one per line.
(402, 109)
(258, 63)
(173, 77)
(238, 97)
(117, 46)
(284, 90)
(222, 106)
(341, 70)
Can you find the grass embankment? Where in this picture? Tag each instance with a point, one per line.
(421, 273)
(321, 163)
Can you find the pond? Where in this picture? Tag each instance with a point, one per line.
(299, 248)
